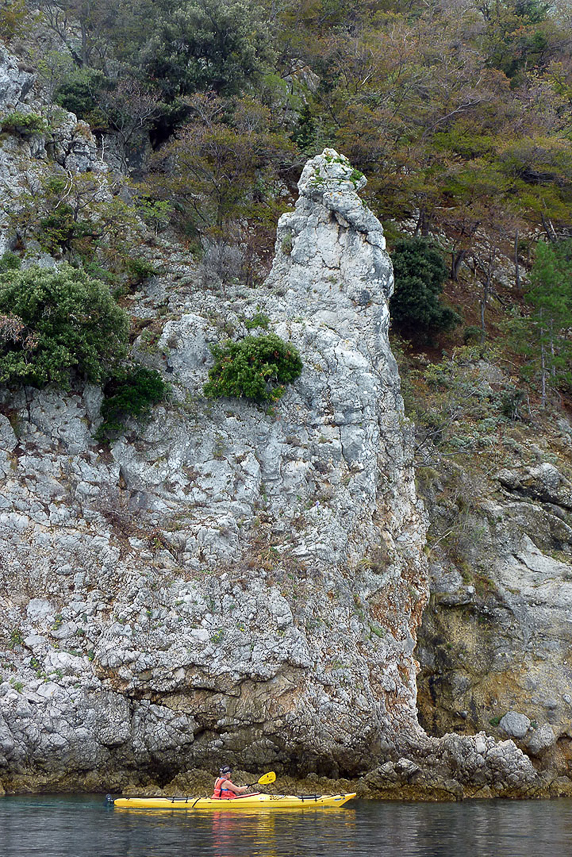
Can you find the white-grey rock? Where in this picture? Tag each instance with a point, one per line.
(515, 724)
(541, 739)
(15, 83)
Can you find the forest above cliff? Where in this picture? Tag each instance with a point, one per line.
(459, 113)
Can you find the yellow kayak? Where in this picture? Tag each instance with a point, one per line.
(252, 801)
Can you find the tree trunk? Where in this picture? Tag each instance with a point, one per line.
(516, 264)
(542, 366)
(457, 260)
(549, 228)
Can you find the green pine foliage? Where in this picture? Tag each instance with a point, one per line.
(255, 368)
(420, 273)
(9, 262)
(130, 392)
(23, 124)
(57, 323)
(542, 335)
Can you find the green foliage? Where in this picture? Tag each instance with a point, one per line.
(156, 213)
(9, 262)
(130, 392)
(223, 166)
(453, 403)
(139, 269)
(13, 14)
(259, 319)
(81, 92)
(256, 368)
(55, 322)
(60, 230)
(542, 336)
(203, 45)
(304, 134)
(23, 124)
(420, 273)
(77, 215)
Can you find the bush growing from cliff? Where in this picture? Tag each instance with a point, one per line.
(255, 368)
(75, 216)
(55, 323)
(9, 262)
(130, 392)
(420, 272)
(81, 92)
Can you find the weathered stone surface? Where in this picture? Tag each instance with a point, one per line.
(541, 739)
(15, 83)
(68, 146)
(514, 724)
(236, 583)
(496, 637)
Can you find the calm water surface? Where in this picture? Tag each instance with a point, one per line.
(84, 827)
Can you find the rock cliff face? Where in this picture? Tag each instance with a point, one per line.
(234, 584)
(229, 582)
(64, 143)
(495, 641)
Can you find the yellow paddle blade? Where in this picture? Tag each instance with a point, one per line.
(265, 779)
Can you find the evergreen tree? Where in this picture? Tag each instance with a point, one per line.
(544, 335)
(53, 323)
(420, 272)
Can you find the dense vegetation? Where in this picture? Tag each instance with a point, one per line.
(256, 367)
(458, 111)
(130, 391)
(55, 323)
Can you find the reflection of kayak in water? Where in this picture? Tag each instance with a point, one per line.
(252, 802)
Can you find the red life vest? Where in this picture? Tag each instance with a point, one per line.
(221, 793)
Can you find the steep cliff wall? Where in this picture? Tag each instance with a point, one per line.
(235, 583)
(495, 641)
(229, 582)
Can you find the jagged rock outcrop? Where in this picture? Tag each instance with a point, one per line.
(235, 583)
(59, 143)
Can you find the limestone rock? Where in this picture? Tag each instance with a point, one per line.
(234, 583)
(514, 724)
(15, 83)
(24, 159)
(541, 739)
(499, 641)
(259, 576)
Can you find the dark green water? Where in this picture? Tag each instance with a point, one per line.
(84, 827)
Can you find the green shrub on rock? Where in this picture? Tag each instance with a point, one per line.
(255, 368)
(23, 124)
(55, 322)
(9, 262)
(420, 273)
(130, 392)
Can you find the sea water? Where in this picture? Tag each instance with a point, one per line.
(82, 826)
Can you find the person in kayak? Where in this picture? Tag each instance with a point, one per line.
(224, 788)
